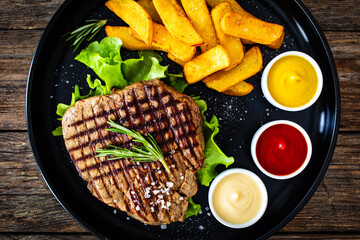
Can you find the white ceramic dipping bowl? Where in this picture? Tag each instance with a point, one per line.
(257, 180)
(266, 126)
(264, 82)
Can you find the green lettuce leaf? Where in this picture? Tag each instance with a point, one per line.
(177, 81)
(105, 60)
(213, 154)
(145, 68)
(57, 131)
(193, 208)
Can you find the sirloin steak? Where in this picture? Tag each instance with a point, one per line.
(146, 191)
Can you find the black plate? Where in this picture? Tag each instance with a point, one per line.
(54, 72)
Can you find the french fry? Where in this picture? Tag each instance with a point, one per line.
(175, 59)
(241, 89)
(175, 20)
(251, 64)
(206, 64)
(252, 29)
(238, 9)
(164, 41)
(198, 13)
(234, 6)
(149, 7)
(135, 15)
(277, 44)
(178, 61)
(231, 44)
(129, 41)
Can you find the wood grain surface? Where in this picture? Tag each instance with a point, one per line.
(332, 213)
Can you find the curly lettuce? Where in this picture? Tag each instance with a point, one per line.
(213, 154)
(193, 208)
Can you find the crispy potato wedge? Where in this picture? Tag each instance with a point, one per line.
(234, 6)
(175, 59)
(251, 64)
(206, 64)
(135, 15)
(277, 44)
(164, 41)
(149, 7)
(238, 9)
(198, 13)
(252, 29)
(176, 22)
(241, 89)
(178, 61)
(232, 45)
(129, 41)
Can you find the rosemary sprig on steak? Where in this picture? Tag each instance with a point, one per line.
(148, 152)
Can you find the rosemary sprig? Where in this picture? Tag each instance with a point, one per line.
(84, 33)
(148, 152)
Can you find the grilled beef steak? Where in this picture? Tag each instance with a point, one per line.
(146, 191)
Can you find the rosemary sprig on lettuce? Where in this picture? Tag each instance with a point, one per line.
(149, 151)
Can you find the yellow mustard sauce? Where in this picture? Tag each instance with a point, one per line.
(292, 81)
(237, 198)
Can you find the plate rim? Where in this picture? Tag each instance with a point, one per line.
(310, 192)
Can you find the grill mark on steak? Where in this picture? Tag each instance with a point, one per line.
(91, 130)
(97, 193)
(122, 183)
(126, 144)
(106, 163)
(151, 99)
(106, 194)
(137, 204)
(158, 130)
(177, 136)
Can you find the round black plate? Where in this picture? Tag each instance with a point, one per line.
(54, 72)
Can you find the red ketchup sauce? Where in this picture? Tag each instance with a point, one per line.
(281, 149)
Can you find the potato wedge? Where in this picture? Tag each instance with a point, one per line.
(176, 22)
(238, 9)
(178, 61)
(149, 7)
(206, 64)
(234, 6)
(232, 45)
(175, 59)
(164, 41)
(277, 44)
(129, 41)
(250, 65)
(241, 89)
(135, 15)
(198, 13)
(252, 29)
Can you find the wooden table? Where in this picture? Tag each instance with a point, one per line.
(29, 211)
